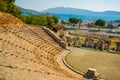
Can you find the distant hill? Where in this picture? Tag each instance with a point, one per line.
(27, 11)
(65, 13)
(82, 13)
(63, 10)
(111, 13)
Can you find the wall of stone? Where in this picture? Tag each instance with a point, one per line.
(55, 37)
(67, 65)
(100, 44)
(118, 46)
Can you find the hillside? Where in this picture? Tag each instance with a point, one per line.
(27, 11)
(66, 12)
(9, 20)
(63, 10)
(82, 13)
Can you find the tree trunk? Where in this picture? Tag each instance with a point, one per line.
(89, 29)
(99, 28)
(73, 26)
(79, 25)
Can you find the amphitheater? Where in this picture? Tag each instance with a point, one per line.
(31, 53)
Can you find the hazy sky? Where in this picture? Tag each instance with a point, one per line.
(94, 5)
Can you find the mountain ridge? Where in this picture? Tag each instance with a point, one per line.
(27, 11)
(67, 12)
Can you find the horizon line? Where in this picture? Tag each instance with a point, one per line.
(67, 7)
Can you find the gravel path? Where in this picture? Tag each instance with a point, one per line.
(62, 65)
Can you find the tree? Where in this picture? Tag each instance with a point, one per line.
(14, 10)
(9, 1)
(10, 7)
(80, 21)
(23, 18)
(43, 20)
(73, 21)
(110, 25)
(29, 19)
(3, 6)
(50, 21)
(62, 22)
(55, 18)
(100, 23)
(35, 20)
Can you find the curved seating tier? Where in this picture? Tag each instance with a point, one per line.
(31, 49)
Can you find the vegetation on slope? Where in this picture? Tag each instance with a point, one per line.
(8, 6)
(43, 20)
(9, 13)
(9, 20)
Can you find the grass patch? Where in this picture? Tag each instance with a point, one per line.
(106, 64)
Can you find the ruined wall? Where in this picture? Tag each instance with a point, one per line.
(55, 37)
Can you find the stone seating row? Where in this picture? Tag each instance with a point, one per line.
(42, 37)
(23, 56)
(33, 40)
(43, 34)
(13, 41)
(20, 55)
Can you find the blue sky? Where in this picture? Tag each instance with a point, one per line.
(94, 5)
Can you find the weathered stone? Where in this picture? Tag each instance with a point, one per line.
(91, 73)
(76, 41)
(100, 44)
(107, 44)
(69, 41)
(89, 42)
(118, 46)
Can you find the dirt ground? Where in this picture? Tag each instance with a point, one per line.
(107, 64)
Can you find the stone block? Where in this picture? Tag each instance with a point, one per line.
(91, 73)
